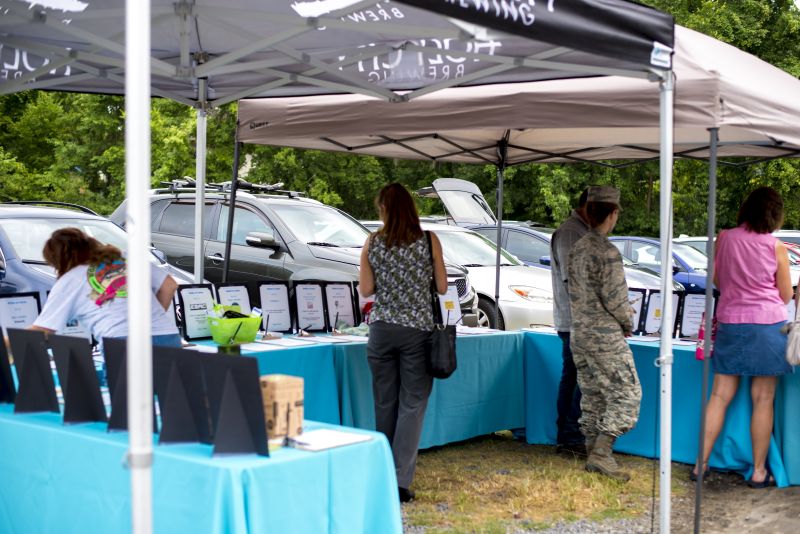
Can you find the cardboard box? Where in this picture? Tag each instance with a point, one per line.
(283, 405)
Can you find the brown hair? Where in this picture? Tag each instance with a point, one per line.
(399, 214)
(69, 247)
(762, 211)
(596, 212)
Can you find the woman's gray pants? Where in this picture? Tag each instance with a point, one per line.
(401, 386)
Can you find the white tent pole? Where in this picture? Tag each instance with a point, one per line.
(709, 313)
(137, 182)
(667, 93)
(200, 181)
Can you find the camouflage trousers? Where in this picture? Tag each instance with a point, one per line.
(611, 391)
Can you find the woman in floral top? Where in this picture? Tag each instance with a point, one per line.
(396, 267)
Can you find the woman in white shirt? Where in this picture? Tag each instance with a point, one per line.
(91, 288)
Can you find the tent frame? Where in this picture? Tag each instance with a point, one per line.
(132, 67)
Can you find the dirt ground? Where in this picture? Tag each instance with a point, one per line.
(730, 506)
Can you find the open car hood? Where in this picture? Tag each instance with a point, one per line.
(462, 200)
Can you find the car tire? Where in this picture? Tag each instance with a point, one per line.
(486, 314)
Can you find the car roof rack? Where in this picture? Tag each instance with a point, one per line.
(188, 184)
(78, 207)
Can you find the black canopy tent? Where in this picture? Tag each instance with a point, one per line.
(206, 53)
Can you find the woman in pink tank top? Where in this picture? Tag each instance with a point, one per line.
(751, 270)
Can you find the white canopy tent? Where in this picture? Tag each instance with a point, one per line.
(207, 53)
(727, 104)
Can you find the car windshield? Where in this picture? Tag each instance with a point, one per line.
(472, 250)
(29, 235)
(696, 259)
(321, 225)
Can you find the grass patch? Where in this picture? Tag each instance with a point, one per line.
(495, 483)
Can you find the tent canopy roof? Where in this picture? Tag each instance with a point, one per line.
(754, 105)
(280, 47)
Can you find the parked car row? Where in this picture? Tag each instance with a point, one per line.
(282, 237)
(287, 237)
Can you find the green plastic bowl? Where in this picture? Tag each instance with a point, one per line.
(222, 330)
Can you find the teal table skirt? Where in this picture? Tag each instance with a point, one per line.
(484, 395)
(733, 449)
(70, 479)
(315, 364)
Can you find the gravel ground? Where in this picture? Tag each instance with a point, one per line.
(729, 506)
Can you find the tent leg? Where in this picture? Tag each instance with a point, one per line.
(502, 152)
(711, 232)
(137, 181)
(231, 210)
(667, 87)
(200, 182)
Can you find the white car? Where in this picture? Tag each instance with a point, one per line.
(526, 293)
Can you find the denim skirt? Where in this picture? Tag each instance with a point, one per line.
(749, 349)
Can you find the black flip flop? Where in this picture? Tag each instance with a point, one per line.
(767, 482)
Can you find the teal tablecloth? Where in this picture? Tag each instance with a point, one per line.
(484, 395)
(315, 364)
(732, 451)
(66, 479)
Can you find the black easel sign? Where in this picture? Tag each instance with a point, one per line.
(18, 310)
(196, 300)
(234, 294)
(636, 298)
(339, 299)
(275, 307)
(82, 399)
(310, 305)
(654, 314)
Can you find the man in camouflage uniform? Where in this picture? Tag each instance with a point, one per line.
(601, 319)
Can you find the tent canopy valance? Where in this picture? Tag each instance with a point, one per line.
(281, 47)
(590, 119)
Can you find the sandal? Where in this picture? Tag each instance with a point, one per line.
(693, 475)
(767, 482)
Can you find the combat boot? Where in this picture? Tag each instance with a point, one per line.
(601, 460)
(590, 444)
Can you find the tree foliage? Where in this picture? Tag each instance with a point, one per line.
(70, 147)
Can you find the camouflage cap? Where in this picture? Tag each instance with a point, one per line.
(603, 193)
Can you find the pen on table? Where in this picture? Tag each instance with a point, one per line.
(266, 326)
(235, 332)
(336, 320)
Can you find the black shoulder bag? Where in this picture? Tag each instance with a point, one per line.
(441, 360)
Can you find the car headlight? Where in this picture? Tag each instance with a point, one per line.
(533, 294)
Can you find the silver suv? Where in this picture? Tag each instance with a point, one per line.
(284, 237)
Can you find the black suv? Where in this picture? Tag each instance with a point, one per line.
(284, 237)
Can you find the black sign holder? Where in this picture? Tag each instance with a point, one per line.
(37, 389)
(323, 302)
(185, 311)
(179, 386)
(83, 402)
(115, 352)
(265, 312)
(237, 407)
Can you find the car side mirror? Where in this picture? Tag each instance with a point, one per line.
(261, 240)
(544, 260)
(676, 269)
(162, 257)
